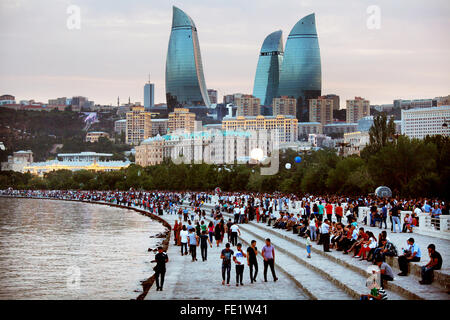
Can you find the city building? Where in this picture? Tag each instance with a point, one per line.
(60, 102)
(321, 110)
(443, 101)
(355, 141)
(247, 105)
(139, 126)
(356, 109)
(159, 126)
(301, 75)
(229, 98)
(383, 107)
(306, 128)
(339, 128)
(336, 100)
(181, 119)
(318, 140)
(414, 103)
(93, 136)
(267, 75)
(365, 123)
(212, 94)
(185, 82)
(77, 161)
(149, 95)
(213, 147)
(7, 99)
(418, 123)
(284, 106)
(285, 126)
(120, 126)
(18, 161)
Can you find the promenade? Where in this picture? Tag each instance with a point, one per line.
(326, 276)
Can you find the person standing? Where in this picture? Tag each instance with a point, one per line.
(204, 241)
(325, 235)
(161, 259)
(395, 212)
(184, 240)
(434, 264)
(252, 253)
(308, 244)
(268, 254)
(226, 255)
(234, 233)
(238, 258)
(411, 254)
(193, 243)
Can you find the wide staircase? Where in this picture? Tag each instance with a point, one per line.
(333, 275)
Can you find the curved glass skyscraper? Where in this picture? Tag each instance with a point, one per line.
(185, 83)
(268, 70)
(301, 75)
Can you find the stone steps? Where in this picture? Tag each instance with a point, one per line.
(405, 286)
(311, 282)
(349, 282)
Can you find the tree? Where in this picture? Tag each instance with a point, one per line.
(381, 131)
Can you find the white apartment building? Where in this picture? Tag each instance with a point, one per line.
(418, 123)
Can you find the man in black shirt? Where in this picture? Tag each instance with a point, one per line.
(434, 264)
(226, 255)
(252, 262)
(161, 259)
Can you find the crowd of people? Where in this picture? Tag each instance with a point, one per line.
(329, 221)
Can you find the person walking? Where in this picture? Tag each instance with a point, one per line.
(239, 260)
(395, 212)
(204, 241)
(234, 233)
(308, 244)
(184, 240)
(161, 258)
(193, 243)
(252, 253)
(226, 255)
(312, 228)
(268, 254)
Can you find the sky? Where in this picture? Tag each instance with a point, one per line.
(119, 43)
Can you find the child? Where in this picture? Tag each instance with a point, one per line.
(308, 244)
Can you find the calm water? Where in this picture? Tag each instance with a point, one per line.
(70, 250)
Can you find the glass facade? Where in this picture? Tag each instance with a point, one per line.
(268, 70)
(301, 75)
(185, 83)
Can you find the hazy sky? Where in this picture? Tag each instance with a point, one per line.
(121, 42)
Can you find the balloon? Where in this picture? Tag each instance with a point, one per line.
(288, 166)
(298, 159)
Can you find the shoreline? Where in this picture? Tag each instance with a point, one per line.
(146, 284)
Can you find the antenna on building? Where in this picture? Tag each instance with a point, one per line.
(129, 100)
(118, 102)
(149, 78)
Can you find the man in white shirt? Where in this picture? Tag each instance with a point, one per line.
(234, 233)
(184, 240)
(239, 258)
(242, 215)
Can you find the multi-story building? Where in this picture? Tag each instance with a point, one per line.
(267, 73)
(7, 99)
(247, 105)
(443, 101)
(339, 128)
(120, 126)
(418, 123)
(284, 106)
(181, 119)
(306, 128)
(139, 126)
(93, 136)
(18, 161)
(336, 100)
(185, 82)
(356, 141)
(159, 126)
(301, 71)
(149, 96)
(356, 109)
(285, 126)
(212, 94)
(213, 147)
(321, 110)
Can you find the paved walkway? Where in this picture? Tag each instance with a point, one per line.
(203, 280)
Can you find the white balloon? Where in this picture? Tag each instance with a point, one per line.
(287, 166)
